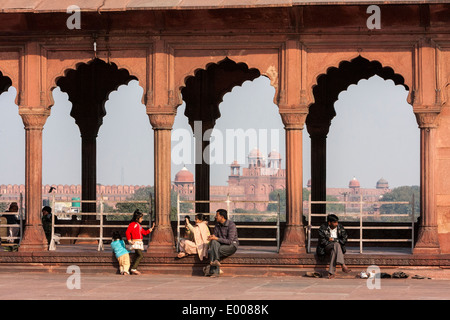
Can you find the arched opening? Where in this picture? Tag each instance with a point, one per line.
(360, 126)
(202, 95)
(12, 145)
(88, 88)
(230, 110)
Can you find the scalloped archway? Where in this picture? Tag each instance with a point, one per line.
(88, 87)
(202, 93)
(322, 111)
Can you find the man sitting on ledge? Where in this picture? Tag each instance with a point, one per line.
(223, 243)
(332, 240)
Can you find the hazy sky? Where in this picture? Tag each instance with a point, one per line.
(374, 135)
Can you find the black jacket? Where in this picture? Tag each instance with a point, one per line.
(324, 238)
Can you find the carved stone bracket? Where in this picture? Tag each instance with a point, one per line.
(34, 118)
(293, 119)
(161, 120)
(427, 119)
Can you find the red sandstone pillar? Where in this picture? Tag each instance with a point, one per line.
(33, 237)
(294, 234)
(162, 237)
(427, 240)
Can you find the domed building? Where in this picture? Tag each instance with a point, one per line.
(254, 183)
(382, 184)
(256, 159)
(184, 182)
(354, 185)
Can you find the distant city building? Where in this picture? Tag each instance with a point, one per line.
(254, 184)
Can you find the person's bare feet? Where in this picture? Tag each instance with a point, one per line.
(346, 269)
(331, 276)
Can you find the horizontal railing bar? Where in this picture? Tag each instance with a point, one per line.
(369, 228)
(372, 240)
(255, 227)
(359, 202)
(407, 215)
(226, 201)
(257, 239)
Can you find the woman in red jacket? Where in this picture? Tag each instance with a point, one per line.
(134, 235)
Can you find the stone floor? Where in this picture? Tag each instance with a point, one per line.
(56, 286)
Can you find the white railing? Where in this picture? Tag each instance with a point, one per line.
(361, 215)
(228, 202)
(101, 226)
(10, 239)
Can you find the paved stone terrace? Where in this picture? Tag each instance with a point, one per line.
(51, 286)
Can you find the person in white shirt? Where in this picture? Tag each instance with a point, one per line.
(332, 240)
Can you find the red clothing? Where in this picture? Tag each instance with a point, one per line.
(135, 231)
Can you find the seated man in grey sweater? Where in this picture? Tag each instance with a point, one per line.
(223, 242)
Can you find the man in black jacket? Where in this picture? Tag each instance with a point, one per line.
(332, 240)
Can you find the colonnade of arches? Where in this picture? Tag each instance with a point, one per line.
(89, 85)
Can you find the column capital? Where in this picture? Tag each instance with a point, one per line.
(293, 119)
(427, 119)
(34, 118)
(161, 120)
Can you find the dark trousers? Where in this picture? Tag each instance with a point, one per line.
(138, 255)
(217, 251)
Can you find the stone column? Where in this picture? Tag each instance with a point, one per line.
(33, 237)
(427, 240)
(318, 134)
(162, 237)
(202, 164)
(294, 234)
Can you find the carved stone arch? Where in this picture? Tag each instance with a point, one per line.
(270, 71)
(73, 65)
(204, 91)
(403, 66)
(90, 84)
(337, 79)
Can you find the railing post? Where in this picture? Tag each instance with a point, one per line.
(178, 221)
(52, 245)
(278, 223)
(309, 223)
(100, 241)
(228, 206)
(21, 218)
(360, 223)
(412, 223)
